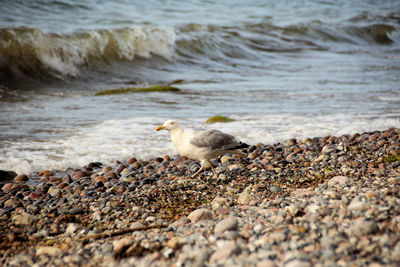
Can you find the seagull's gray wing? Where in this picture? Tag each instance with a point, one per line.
(215, 139)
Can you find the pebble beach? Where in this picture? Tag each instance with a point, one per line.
(322, 201)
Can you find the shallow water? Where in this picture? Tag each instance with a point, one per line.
(282, 70)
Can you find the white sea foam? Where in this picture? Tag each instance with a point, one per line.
(136, 137)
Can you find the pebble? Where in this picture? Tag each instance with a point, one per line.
(47, 250)
(121, 244)
(226, 250)
(71, 229)
(6, 176)
(75, 211)
(229, 223)
(24, 218)
(7, 187)
(219, 202)
(225, 159)
(54, 191)
(244, 197)
(338, 180)
(235, 167)
(21, 178)
(358, 203)
(298, 263)
(361, 227)
(200, 214)
(266, 263)
(275, 189)
(320, 202)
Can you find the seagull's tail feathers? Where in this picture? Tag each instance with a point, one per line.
(238, 146)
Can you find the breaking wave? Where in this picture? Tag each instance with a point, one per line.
(29, 52)
(33, 53)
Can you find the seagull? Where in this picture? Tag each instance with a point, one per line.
(202, 145)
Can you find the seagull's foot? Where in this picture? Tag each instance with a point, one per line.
(196, 173)
(215, 173)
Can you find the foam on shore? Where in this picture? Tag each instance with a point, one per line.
(136, 137)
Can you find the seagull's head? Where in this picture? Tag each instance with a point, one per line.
(168, 125)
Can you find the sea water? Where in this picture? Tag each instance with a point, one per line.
(280, 69)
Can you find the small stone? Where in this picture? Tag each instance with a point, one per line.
(150, 219)
(75, 211)
(34, 195)
(71, 229)
(361, 227)
(219, 202)
(125, 172)
(71, 259)
(132, 160)
(227, 249)
(67, 179)
(202, 256)
(120, 168)
(339, 180)
(200, 214)
(96, 216)
(110, 175)
(297, 263)
(174, 243)
(258, 228)
(277, 237)
(95, 165)
(253, 155)
(78, 175)
(326, 149)
(371, 195)
(320, 158)
(229, 223)
(357, 204)
(9, 203)
(106, 169)
(24, 218)
(275, 189)
(48, 250)
(244, 197)
(99, 179)
(7, 187)
(266, 263)
(340, 146)
(225, 159)
(54, 191)
(235, 167)
(119, 245)
(6, 176)
(137, 165)
(21, 178)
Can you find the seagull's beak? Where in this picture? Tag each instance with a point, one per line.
(162, 127)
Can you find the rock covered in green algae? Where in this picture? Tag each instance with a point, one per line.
(155, 88)
(218, 118)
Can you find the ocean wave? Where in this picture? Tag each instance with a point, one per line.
(249, 40)
(29, 52)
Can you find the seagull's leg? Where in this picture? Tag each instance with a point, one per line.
(213, 169)
(201, 168)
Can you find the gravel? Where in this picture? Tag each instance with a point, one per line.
(323, 201)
